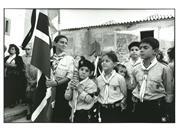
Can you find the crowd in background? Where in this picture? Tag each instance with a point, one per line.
(102, 89)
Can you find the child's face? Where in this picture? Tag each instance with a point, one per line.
(146, 51)
(84, 72)
(134, 52)
(107, 63)
(122, 71)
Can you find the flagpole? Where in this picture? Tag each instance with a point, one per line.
(59, 20)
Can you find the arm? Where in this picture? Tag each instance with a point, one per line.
(123, 89)
(168, 84)
(53, 83)
(69, 92)
(123, 86)
(88, 94)
(19, 63)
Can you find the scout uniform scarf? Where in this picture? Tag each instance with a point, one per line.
(144, 83)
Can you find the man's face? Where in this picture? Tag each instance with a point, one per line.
(146, 51)
(134, 52)
(84, 72)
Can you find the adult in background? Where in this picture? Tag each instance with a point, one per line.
(14, 77)
(63, 67)
(31, 76)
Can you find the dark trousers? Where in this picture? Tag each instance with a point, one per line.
(129, 116)
(81, 116)
(111, 114)
(148, 111)
(62, 110)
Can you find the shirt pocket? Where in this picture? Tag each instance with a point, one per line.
(61, 70)
(155, 84)
(115, 88)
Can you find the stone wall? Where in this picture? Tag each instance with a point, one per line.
(109, 38)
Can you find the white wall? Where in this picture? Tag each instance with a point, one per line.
(17, 19)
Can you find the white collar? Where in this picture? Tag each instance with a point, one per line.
(83, 81)
(108, 80)
(139, 60)
(153, 62)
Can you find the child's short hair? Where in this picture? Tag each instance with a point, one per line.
(122, 66)
(86, 63)
(112, 56)
(132, 44)
(151, 41)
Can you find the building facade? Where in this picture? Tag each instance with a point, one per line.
(117, 36)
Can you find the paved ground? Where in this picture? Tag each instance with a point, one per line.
(16, 114)
(22, 120)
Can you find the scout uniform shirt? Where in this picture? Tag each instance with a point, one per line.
(79, 100)
(112, 90)
(130, 65)
(63, 66)
(158, 81)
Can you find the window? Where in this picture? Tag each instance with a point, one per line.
(7, 26)
(145, 34)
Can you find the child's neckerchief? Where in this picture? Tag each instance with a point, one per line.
(106, 92)
(144, 83)
(56, 59)
(75, 97)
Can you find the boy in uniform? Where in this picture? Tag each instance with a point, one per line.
(135, 60)
(81, 93)
(153, 84)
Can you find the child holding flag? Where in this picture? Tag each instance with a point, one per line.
(81, 93)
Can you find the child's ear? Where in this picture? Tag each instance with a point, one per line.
(156, 50)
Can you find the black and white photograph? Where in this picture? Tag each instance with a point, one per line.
(68, 65)
(89, 64)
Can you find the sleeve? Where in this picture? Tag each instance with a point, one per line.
(123, 86)
(71, 67)
(19, 62)
(168, 84)
(134, 82)
(89, 93)
(68, 93)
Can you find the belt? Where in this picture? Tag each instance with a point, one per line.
(111, 106)
(156, 101)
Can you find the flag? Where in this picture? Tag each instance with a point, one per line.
(30, 33)
(44, 97)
